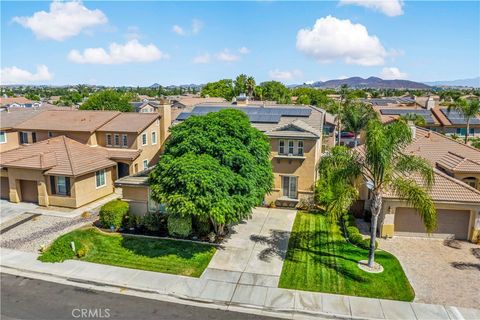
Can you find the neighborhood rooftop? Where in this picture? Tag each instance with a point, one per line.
(68, 120)
(129, 122)
(59, 156)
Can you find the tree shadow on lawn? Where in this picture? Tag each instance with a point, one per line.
(156, 248)
(319, 254)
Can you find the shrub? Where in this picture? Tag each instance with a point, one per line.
(179, 226)
(82, 252)
(365, 244)
(306, 204)
(202, 226)
(352, 230)
(153, 221)
(112, 213)
(356, 238)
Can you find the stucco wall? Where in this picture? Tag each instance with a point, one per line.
(137, 198)
(85, 191)
(82, 137)
(12, 141)
(303, 169)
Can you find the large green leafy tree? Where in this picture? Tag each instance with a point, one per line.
(469, 109)
(215, 167)
(240, 84)
(275, 91)
(356, 117)
(222, 88)
(108, 100)
(382, 166)
(311, 96)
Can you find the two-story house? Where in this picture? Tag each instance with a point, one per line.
(70, 157)
(295, 134)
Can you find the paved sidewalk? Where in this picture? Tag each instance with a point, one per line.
(255, 249)
(256, 298)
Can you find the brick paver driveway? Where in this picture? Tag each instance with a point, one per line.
(440, 271)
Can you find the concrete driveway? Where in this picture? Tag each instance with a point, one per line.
(440, 271)
(9, 210)
(254, 251)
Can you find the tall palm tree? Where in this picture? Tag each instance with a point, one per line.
(469, 109)
(414, 118)
(356, 118)
(382, 166)
(250, 86)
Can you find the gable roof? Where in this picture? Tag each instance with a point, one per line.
(456, 163)
(129, 122)
(58, 156)
(446, 189)
(297, 128)
(14, 117)
(68, 120)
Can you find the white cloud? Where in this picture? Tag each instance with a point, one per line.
(132, 51)
(202, 59)
(226, 56)
(197, 25)
(133, 32)
(284, 75)
(244, 50)
(331, 39)
(392, 73)
(14, 75)
(178, 30)
(64, 20)
(390, 8)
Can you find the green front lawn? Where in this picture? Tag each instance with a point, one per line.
(320, 259)
(160, 255)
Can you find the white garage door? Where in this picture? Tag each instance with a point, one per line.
(451, 223)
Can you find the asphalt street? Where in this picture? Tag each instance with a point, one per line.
(24, 298)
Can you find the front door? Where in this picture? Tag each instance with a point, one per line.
(123, 169)
(289, 186)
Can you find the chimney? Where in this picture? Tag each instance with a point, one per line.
(165, 110)
(430, 103)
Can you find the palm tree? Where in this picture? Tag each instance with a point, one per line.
(414, 118)
(469, 109)
(356, 118)
(382, 166)
(250, 86)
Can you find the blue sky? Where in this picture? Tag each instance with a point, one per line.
(197, 42)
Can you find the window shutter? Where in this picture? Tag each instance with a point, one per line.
(67, 183)
(52, 185)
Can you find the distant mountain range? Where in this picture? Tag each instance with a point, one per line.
(473, 82)
(372, 82)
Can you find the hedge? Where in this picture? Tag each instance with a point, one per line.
(112, 213)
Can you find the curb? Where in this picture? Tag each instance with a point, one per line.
(178, 297)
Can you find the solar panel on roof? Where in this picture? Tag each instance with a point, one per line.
(425, 114)
(183, 116)
(264, 118)
(284, 112)
(456, 117)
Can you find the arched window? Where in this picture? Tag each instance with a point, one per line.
(471, 181)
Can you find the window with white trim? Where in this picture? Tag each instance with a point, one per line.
(289, 186)
(291, 147)
(145, 164)
(116, 140)
(144, 139)
(125, 141)
(100, 180)
(109, 140)
(3, 137)
(300, 147)
(154, 137)
(281, 147)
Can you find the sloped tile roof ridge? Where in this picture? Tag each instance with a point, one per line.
(448, 138)
(299, 124)
(69, 155)
(460, 183)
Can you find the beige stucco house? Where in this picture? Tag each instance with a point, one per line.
(456, 192)
(98, 146)
(295, 134)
